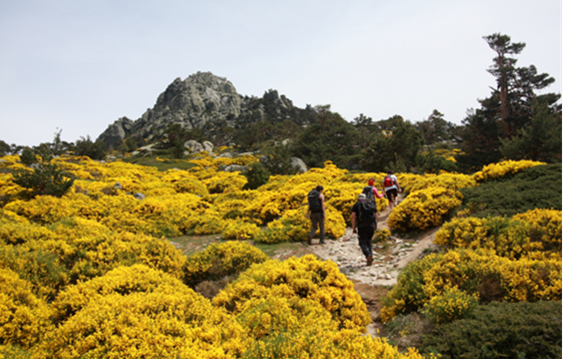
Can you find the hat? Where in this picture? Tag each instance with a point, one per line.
(362, 196)
(371, 182)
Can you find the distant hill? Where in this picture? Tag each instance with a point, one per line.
(205, 101)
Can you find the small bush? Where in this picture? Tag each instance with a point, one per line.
(451, 305)
(381, 235)
(220, 260)
(257, 175)
(501, 330)
(44, 180)
(536, 187)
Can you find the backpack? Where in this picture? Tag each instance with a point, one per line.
(366, 212)
(388, 181)
(315, 203)
(368, 191)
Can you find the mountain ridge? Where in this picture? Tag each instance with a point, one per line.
(205, 101)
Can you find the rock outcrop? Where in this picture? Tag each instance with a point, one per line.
(203, 100)
(116, 132)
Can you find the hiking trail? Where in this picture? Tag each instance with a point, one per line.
(372, 282)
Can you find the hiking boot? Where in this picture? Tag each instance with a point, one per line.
(309, 240)
(370, 260)
(322, 242)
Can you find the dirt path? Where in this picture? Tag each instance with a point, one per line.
(389, 258)
(373, 282)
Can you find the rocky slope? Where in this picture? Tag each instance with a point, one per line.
(204, 101)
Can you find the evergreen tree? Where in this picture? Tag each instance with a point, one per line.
(395, 148)
(540, 140)
(329, 138)
(507, 111)
(435, 128)
(45, 179)
(86, 147)
(515, 86)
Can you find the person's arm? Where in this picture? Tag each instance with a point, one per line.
(376, 193)
(398, 185)
(308, 212)
(353, 222)
(323, 204)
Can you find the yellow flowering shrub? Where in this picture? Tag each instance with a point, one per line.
(535, 230)
(382, 235)
(238, 229)
(335, 226)
(220, 260)
(170, 321)
(451, 305)
(291, 227)
(224, 182)
(306, 277)
(408, 180)
(40, 268)
(24, 318)
(544, 227)
(452, 181)
(122, 280)
(424, 209)
(480, 272)
(501, 169)
(298, 327)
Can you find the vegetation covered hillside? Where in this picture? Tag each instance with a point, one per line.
(89, 271)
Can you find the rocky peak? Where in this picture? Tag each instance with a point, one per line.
(201, 100)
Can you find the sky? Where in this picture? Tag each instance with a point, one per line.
(77, 66)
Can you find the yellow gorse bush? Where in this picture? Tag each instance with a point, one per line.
(305, 277)
(424, 209)
(24, 318)
(452, 181)
(537, 230)
(475, 272)
(220, 260)
(501, 169)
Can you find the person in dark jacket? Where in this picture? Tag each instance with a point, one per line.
(317, 213)
(365, 223)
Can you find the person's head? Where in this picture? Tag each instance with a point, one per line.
(390, 172)
(371, 182)
(319, 188)
(362, 196)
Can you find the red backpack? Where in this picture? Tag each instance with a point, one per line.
(388, 181)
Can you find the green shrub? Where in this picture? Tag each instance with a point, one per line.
(451, 305)
(28, 156)
(257, 175)
(220, 260)
(535, 187)
(86, 147)
(46, 179)
(501, 330)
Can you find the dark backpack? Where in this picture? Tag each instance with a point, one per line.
(315, 203)
(366, 212)
(388, 181)
(368, 191)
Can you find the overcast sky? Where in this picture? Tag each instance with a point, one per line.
(80, 65)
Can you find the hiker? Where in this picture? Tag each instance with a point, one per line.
(392, 188)
(374, 192)
(317, 213)
(364, 221)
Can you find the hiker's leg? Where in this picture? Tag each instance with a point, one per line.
(322, 229)
(390, 198)
(365, 234)
(314, 225)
